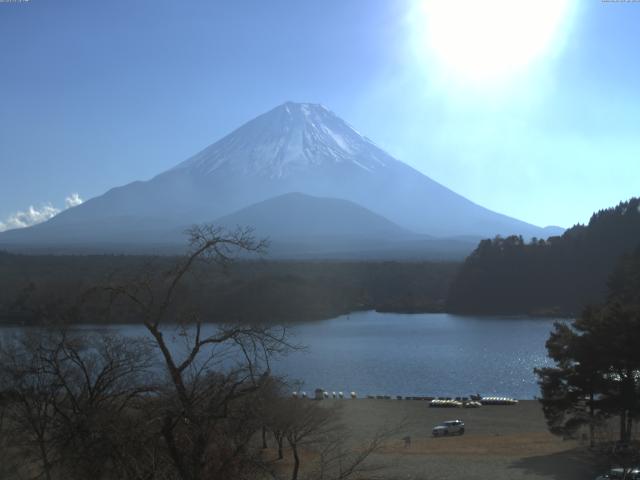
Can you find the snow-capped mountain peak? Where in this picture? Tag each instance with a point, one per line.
(292, 137)
(298, 148)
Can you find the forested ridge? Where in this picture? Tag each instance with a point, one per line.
(556, 276)
(250, 291)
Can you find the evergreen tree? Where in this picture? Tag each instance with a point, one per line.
(597, 372)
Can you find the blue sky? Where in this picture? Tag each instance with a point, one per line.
(99, 94)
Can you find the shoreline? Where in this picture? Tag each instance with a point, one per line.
(505, 316)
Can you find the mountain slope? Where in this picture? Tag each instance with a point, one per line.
(295, 215)
(303, 226)
(292, 148)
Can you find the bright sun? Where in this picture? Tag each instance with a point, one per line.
(487, 41)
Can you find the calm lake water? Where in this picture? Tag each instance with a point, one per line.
(416, 354)
(421, 354)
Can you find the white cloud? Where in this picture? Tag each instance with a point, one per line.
(73, 200)
(34, 215)
(30, 216)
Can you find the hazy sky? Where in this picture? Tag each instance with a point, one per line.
(534, 113)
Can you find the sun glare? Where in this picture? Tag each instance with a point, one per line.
(487, 42)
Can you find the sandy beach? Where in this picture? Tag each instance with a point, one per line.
(501, 442)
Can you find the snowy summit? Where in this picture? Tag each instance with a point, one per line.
(292, 137)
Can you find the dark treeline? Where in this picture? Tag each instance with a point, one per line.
(248, 291)
(557, 276)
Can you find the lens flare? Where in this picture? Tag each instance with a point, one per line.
(488, 41)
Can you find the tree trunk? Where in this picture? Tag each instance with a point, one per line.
(623, 425)
(296, 462)
(280, 441)
(45, 460)
(264, 437)
(591, 419)
(628, 402)
(174, 453)
(198, 455)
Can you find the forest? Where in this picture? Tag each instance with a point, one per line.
(244, 291)
(556, 276)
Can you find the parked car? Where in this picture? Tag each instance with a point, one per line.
(619, 473)
(450, 427)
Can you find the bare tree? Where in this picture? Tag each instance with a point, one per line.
(308, 423)
(104, 378)
(276, 417)
(340, 458)
(30, 397)
(89, 405)
(66, 393)
(219, 367)
(7, 460)
(314, 427)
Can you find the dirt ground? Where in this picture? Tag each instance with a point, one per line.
(501, 442)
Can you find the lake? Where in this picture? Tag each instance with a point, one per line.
(415, 354)
(421, 354)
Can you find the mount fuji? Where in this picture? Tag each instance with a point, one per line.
(295, 148)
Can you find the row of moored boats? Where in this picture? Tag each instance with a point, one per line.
(473, 403)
